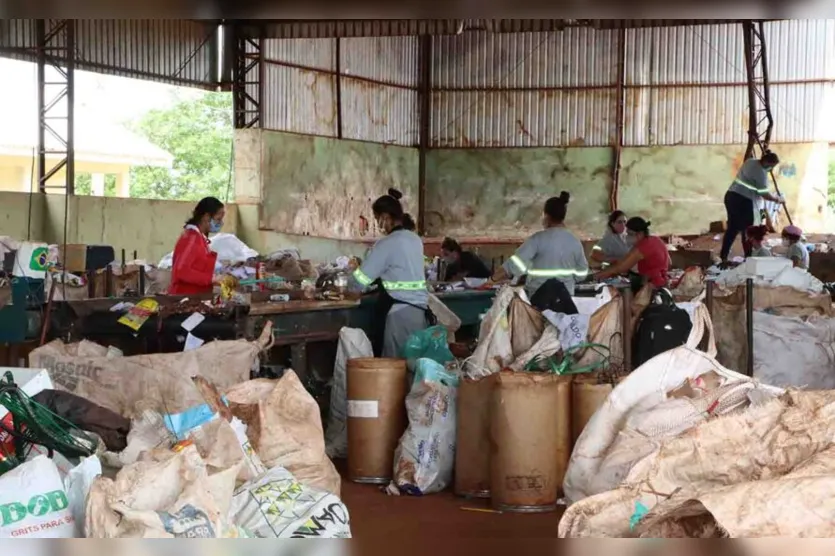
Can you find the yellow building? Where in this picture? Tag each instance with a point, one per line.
(101, 149)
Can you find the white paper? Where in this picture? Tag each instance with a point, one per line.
(363, 409)
(192, 342)
(193, 321)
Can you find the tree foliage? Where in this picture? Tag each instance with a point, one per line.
(198, 134)
(831, 181)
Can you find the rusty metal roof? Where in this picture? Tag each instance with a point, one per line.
(345, 28)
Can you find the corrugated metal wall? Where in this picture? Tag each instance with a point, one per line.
(178, 51)
(683, 85)
(378, 80)
(687, 85)
(524, 89)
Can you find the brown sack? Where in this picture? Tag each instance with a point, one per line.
(173, 497)
(526, 326)
(472, 450)
(285, 428)
(729, 317)
(530, 440)
(160, 382)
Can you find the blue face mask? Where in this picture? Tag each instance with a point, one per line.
(215, 226)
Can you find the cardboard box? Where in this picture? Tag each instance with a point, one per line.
(719, 227)
(75, 260)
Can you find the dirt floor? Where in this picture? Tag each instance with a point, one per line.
(374, 515)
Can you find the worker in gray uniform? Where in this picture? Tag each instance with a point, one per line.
(742, 198)
(553, 261)
(395, 265)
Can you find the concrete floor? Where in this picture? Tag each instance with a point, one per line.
(375, 515)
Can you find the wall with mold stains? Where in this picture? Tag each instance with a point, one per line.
(493, 194)
(499, 193)
(315, 186)
(682, 189)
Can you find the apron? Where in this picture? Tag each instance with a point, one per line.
(385, 302)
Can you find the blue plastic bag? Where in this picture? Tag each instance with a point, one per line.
(430, 344)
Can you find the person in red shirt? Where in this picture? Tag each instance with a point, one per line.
(649, 253)
(194, 262)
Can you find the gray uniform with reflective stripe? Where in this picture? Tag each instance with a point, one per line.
(613, 245)
(552, 253)
(751, 181)
(397, 260)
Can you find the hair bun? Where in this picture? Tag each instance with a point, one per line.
(395, 193)
(565, 196)
(648, 223)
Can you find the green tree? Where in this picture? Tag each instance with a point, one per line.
(198, 134)
(831, 181)
(84, 184)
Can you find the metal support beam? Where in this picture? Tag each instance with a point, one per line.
(425, 107)
(760, 119)
(56, 105)
(338, 82)
(620, 93)
(247, 86)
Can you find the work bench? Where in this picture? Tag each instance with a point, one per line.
(299, 323)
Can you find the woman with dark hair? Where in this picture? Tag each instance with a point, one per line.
(742, 200)
(193, 271)
(395, 265)
(612, 247)
(756, 235)
(649, 253)
(461, 264)
(553, 255)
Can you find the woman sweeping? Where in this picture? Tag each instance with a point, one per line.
(553, 261)
(649, 253)
(742, 200)
(395, 264)
(193, 270)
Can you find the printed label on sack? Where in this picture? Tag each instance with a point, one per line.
(363, 409)
(188, 523)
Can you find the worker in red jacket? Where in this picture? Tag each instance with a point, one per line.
(194, 262)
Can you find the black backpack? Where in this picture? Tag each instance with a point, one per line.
(663, 326)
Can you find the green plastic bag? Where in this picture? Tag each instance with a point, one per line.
(428, 344)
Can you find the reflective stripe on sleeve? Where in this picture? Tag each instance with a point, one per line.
(363, 280)
(751, 187)
(518, 263)
(405, 286)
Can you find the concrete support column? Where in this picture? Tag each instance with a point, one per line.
(123, 184)
(97, 185)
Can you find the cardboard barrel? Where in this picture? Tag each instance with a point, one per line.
(472, 450)
(376, 391)
(530, 439)
(587, 396)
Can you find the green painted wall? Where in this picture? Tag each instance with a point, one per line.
(682, 189)
(149, 227)
(322, 187)
(499, 193)
(496, 193)
(311, 191)
(15, 209)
